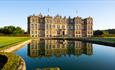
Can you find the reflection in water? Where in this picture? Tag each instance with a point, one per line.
(67, 55)
(38, 48)
(56, 68)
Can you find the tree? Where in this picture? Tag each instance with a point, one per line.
(19, 31)
(1, 30)
(98, 33)
(111, 31)
(11, 30)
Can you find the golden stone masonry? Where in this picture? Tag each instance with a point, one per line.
(58, 26)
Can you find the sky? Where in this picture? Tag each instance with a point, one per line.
(15, 12)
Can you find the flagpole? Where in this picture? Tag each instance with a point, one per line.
(48, 11)
(77, 12)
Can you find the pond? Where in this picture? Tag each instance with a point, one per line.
(67, 55)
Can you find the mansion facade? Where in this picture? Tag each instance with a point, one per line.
(58, 26)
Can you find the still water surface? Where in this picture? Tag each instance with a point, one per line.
(67, 55)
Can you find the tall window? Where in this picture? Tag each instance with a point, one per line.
(33, 20)
(50, 21)
(36, 26)
(58, 27)
(58, 21)
(71, 27)
(47, 26)
(47, 20)
(36, 32)
(91, 27)
(77, 21)
(32, 26)
(53, 26)
(63, 27)
(77, 27)
(32, 32)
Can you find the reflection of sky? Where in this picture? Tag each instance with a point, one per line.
(106, 50)
(16, 12)
(102, 59)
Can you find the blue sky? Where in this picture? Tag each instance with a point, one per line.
(15, 12)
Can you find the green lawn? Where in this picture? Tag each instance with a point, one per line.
(9, 41)
(105, 39)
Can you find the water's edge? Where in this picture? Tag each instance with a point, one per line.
(90, 40)
(14, 48)
(22, 65)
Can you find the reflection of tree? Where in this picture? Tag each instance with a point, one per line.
(58, 47)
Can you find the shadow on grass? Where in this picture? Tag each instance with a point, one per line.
(3, 61)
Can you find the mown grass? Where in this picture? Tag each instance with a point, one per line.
(112, 40)
(6, 42)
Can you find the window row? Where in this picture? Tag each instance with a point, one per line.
(56, 21)
(55, 46)
(34, 20)
(55, 26)
(78, 32)
(35, 32)
(89, 32)
(37, 26)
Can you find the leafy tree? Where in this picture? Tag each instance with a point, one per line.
(111, 31)
(11, 30)
(98, 32)
(1, 30)
(19, 31)
(105, 32)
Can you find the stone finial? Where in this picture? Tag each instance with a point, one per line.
(40, 15)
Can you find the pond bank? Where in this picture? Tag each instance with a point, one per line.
(15, 47)
(14, 62)
(99, 41)
(6, 42)
(17, 61)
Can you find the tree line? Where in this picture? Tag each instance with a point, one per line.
(8, 30)
(105, 33)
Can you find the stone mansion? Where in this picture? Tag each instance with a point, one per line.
(58, 26)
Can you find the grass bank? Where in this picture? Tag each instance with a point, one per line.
(103, 41)
(14, 62)
(106, 39)
(6, 42)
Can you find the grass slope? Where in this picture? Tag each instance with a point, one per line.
(9, 41)
(112, 40)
